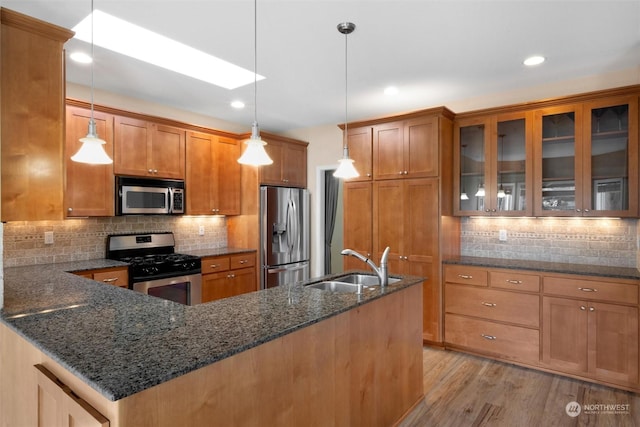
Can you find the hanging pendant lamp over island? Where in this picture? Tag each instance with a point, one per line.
(255, 154)
(345, 169)
(92, 149)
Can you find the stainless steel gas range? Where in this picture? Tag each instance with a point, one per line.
(154, 267)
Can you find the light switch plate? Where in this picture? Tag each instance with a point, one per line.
(48, 237)
(201, 230)
(502, 235)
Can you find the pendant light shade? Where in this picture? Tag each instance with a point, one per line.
(92, 149)
(254, 154)
(346, 169)
(480, 192)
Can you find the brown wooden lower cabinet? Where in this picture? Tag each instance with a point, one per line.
(117, 276)
(59, 406)
(582, 326)
(227, 276)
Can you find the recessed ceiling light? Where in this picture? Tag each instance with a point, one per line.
(534, 60)
(391, 90)
(81, 57)
(131, 40)
(237, 104)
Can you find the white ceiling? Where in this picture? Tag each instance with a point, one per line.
(436, 52)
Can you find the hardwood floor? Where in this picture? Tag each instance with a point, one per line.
(465, 390)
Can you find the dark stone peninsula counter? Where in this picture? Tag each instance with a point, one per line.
(121, 342)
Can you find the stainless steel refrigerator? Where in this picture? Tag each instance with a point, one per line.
(284, 235)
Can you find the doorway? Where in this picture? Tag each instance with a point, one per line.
(330, 221)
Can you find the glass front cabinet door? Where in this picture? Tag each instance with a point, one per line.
(493, 165)
(587, 159)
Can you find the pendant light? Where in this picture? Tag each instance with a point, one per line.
(92, 149)
(255, 154)
(345, 169)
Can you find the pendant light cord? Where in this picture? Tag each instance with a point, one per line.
(92, 61)
(255, 61)
(346, 93)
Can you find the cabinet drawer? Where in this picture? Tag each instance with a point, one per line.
(113, 277)
(504, 341)
(243, 260)
(215, 264)
(511, 307)
(591, 289)
(514, 280)
(466, 275)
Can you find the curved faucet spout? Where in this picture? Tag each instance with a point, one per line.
(381, 271)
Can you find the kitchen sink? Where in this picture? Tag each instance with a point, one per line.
(364, 279)
(350, 282)
(335, 286)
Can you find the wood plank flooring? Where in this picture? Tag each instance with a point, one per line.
(465, 390)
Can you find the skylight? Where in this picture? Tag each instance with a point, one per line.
(131, 40)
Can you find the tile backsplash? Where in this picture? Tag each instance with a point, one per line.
(611, 242)
(82, 239)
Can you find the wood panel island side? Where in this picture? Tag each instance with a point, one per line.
(285, 356)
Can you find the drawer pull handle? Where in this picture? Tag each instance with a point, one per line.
(588, 289)
(110, 280)
(488, 304)
(215, 265)
(488, 337)
(231, 276)
(514, 282)
(465, 276)
(244, 261)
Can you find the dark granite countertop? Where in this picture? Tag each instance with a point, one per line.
(549, 267)
(121, 342)
(217, 251)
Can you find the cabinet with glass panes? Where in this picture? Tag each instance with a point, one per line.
(586, 158)
(493, 172)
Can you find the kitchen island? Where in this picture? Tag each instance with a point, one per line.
(284, 356)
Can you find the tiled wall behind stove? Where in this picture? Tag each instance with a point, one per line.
(611, 242)
(82, 239)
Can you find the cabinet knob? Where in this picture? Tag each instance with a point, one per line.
(369, 175)
(155, 171)
(231, 276)
(244, 261)
(578, 210)
(592, 309)
(150, 170)
(586, 210)
(400, 172)
(583, 308)
(487, 210)
(69, 209)
(406, 172)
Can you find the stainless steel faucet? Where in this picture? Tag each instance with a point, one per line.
(382, 271)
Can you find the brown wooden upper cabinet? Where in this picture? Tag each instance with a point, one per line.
(32, 115)
(406, 149)
(586, 159)
(89, 188)
(148, 149)
(360, 143)
(493, 171)
(213, 174)
(289, 166)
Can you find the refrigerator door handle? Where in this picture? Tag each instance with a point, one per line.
(282, 270)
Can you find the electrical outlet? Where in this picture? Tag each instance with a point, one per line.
(201, 230)
(48, 237)
(502, 235)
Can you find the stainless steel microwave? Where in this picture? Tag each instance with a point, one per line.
(141, 196)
